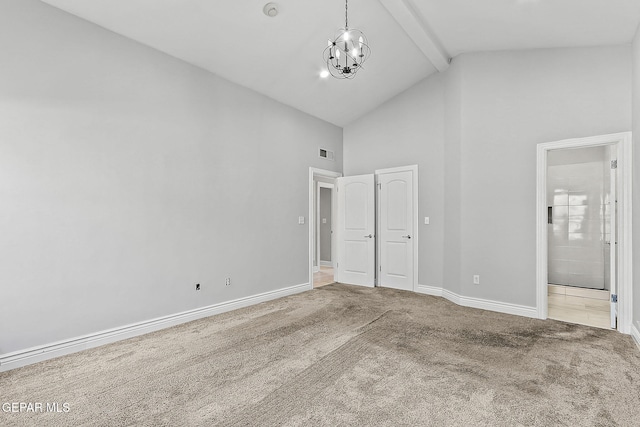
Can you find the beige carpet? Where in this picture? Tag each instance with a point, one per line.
(343, 355)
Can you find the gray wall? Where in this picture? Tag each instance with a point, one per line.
(636, 179)
(408, 130)
(127, 176)
(325, 228)
(473, 132)
(512, 102)
(452, 164)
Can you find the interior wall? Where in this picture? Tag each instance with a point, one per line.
(408, 130)
(473, 130)
(636, 178)
(512, 102)
(128, 176)
(452, 163)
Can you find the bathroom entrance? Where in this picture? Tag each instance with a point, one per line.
(583, 217)
(581, 234)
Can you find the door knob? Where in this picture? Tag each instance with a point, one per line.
(369, 236)
(408, 236)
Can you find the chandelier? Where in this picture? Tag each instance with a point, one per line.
(346, 53)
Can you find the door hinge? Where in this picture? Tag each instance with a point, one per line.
(380, 268)
(614, 164)
(614, 298)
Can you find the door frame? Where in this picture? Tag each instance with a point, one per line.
(624, 220)
(321, 173)
(416, 233)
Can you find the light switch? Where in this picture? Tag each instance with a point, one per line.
(300, 220)
(426, 220)
(324, 220)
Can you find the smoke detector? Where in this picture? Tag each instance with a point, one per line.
(270, 9)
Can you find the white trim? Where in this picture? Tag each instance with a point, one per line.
(416, 230)
(542, 303)
(316, 216)
(625, 262)
(436, 291)
(483, 304)
(625, 240)
(49, 351)
(500, 307)
(635, 333)
(321, 173)
(451, 296)
(325, 263)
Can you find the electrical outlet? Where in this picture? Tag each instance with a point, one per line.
(227, 281)
(476, 279)
(197, 286)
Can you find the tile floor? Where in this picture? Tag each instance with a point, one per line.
(323, 277)
(589, 307)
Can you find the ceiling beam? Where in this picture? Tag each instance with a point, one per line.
(417, 29)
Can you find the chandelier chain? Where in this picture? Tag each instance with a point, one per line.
(346, 14)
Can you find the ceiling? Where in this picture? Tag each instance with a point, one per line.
(281, 57)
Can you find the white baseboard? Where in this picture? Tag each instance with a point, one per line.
(635, 333)
(31, 355)
(429, 290)
(326, 263)
(500, 307)
(484, 304)
(451, 296)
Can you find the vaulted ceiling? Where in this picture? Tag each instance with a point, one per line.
(281, 57)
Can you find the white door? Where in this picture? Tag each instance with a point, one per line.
(356, 228)
(396, 233)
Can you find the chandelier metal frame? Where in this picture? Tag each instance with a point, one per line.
(346, 53)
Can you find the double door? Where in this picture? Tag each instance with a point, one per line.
(376, 229)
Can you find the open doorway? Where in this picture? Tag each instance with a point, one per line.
(323, 273)
(584, 235)
(581, 234)
(322, 207)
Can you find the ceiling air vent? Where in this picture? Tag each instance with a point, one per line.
(326, 154)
